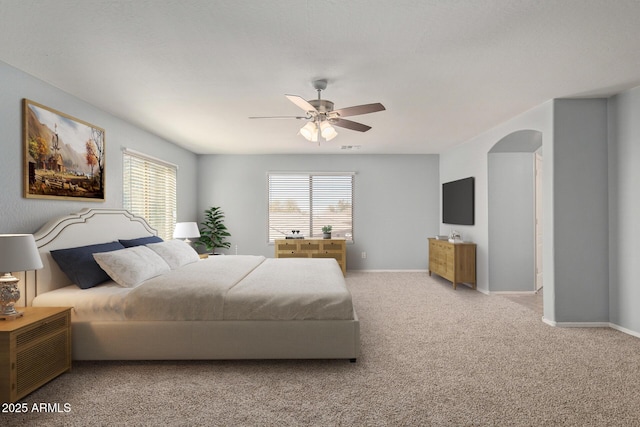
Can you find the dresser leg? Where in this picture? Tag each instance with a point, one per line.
(455, 285)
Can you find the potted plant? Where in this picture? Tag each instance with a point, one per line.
(326, 232)
(213, 233)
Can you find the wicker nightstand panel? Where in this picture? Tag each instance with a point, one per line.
(34, 349)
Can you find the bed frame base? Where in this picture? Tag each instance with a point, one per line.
(217, 340)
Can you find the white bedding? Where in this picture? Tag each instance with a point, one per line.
(104, 302)
(291, 289)
(192, 292)
(218, 288)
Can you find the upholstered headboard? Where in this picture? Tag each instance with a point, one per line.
(89, 226)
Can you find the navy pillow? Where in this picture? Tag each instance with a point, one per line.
(80, 267)
(140, 241)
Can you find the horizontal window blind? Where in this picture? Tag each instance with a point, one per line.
(149, 191)
(307, 202)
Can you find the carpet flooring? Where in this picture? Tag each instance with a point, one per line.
(431, 356)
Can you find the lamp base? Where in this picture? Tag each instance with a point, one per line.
(9, 295)
(11, 316)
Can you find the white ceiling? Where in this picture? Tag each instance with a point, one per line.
(192, 71)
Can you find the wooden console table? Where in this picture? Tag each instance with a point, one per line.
(455, 262)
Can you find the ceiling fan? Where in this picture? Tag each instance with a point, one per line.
(322, 117)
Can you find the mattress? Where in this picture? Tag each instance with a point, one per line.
(105, 302)
(218, 288)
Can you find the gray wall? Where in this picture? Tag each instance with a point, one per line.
(511, 222)
(20, 215)
(624, 209)
(396, 202)
(581, 210)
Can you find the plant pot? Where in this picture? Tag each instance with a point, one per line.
(326, 235)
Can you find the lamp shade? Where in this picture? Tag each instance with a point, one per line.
(310, 131)
(328, 131)
(184, 230)
(18, 252)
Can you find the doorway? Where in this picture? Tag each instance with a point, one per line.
(515, 213)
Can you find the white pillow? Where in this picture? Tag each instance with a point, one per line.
(175, 252)
(131, 266)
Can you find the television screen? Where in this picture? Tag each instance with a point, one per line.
(458, 199)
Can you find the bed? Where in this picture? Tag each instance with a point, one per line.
(222, 307)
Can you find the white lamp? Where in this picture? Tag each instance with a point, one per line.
(184, 230)
(310, 132)
(18, 252)
(328, 131)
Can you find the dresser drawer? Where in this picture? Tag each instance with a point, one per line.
(286, 246)
(310, 246)
(333, 246)
(292, 254)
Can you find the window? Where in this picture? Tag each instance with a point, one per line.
(309, 201)
(149, 191)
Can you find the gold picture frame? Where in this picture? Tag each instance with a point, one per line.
(64, 157)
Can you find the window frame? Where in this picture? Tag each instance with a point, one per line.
(163, 224)
(310, 175)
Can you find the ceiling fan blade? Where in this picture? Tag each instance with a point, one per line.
(302, 103)
(343, 123)
(358, 109)
(280, 117)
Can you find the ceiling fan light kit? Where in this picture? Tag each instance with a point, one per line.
(328, 131)
(322, 117)
(310, 132)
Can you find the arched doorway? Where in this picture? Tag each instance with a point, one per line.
(515, 213)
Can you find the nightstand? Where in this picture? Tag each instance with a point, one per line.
(34, 349)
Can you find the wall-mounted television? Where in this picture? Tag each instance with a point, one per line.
(458, 201)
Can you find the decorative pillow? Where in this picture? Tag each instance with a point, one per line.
(175, 252)
(80, 267)
(131, 266)
(140, 241)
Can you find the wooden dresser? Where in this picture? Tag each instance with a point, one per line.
(455, 262)
(313, 248)
(34, 349)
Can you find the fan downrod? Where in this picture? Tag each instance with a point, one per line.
(323, 106)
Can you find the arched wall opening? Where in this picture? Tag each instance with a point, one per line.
(512, 212)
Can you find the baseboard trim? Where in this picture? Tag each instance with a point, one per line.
(581, 324)
(549, 322)
(513, 292)
(624, 330)
(387, 271)
(591, 325)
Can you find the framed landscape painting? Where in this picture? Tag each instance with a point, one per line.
(63, 156)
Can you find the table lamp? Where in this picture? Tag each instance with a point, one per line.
(18, 252)
(184, 230)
